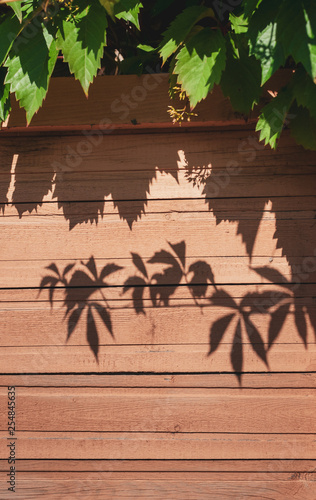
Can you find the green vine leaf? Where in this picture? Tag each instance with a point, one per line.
(250, 6)
(17, 8)
(5, 105)
(273, 116)
(128, 10)
(263, 35)
(180, 28)
(304, 91)
(109, 6)
(239, 23)
(303, 128)
(9, 29)
(296, 32)
(30, 64)
(200, 64)
(241, 79)
(82, 40)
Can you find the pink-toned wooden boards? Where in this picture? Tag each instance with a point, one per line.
(138, 274)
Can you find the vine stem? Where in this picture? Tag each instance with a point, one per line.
(30, 19)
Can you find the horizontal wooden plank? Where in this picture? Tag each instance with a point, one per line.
(162, 410)
(300, 207)
(97, 445)
(94, 152)
(250, 291)
(268, 467)
(182, 322)
(24, 238)
(89, 489)
(226, 270)
(272, 381)
(190, 358)
(120, 99)
(66, 476)
(150, 184)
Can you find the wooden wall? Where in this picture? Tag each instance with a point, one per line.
(157, 304)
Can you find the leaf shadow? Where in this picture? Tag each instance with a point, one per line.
(85, 185)
(29, 188)
(81, 281)
(302, 304)
(162, 285)
(80, 286)
(248, 190)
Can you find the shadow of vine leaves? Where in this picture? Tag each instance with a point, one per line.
(278, 316)
(164, 284)
(80, 281)
(274, 187)
(250, 305)
(85, 182)
(82, 284)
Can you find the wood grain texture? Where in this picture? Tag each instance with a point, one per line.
(269, 468)
(24, 273)
(163, 410)
(161, 475)
(113, 238)
(190, 358)
(220, 150)
(153, 184)
(97, 445)
(155, 417)
(164, 488)
(178, 324)
(299, 207)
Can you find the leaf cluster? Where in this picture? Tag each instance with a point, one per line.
(238, 45)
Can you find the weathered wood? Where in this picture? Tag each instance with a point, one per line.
(113, 238)
(301, 289)
(163, 410)
(170, 489)
(156, 417)
(134, 445)
(66, 476)
(190, 358)
(180, 323)
(101, 153)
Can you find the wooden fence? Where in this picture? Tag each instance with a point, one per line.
(157, 302)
